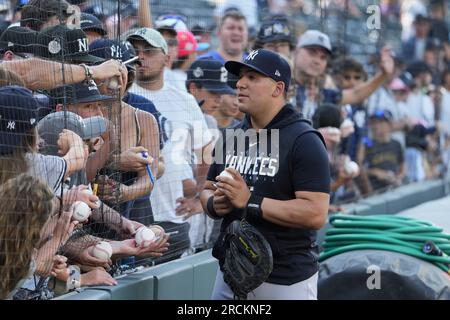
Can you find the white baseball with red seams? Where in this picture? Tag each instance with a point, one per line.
(144, 236)
(351, 168)
(81, 211)
(102, 250)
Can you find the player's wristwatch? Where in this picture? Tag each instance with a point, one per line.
(254, 206)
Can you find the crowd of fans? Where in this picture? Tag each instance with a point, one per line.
(121, 110)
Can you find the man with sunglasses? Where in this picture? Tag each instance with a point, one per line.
(348, 74)
(381, 155)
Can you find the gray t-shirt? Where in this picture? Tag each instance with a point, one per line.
(50, 169)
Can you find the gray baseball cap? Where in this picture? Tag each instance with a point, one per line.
(53, 124)
(151, 36)
(314, 38)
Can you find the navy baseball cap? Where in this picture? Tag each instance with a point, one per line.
(89, 22)
(63, 43)
(381, 115)
(266, 62)
(18, 114)
(113, 49)
(211, 74)
(275, 30)
(18, 40)
(77, 93)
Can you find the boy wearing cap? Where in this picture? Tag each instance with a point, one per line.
(311, 59)
(207, 82)
(187, 134)
(284, 190)
(381, 155)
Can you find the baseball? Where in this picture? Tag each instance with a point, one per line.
(351, 168)
(102, 250)
(90, 192)
(225, 173)
(144, 236)
(113, 84)
(81, 211)
(157, 230)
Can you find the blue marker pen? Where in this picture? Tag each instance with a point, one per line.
(150, 174)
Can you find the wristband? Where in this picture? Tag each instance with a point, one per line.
(254, 206)
(87, 73)
(210, 207)
(74, 281)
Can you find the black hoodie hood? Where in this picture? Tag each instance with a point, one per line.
(287, 115)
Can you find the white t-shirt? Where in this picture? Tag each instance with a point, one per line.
(176, 78)
(186, 131)
(421, 107)
(382, 99)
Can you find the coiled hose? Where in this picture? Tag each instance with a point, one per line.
(405, 235)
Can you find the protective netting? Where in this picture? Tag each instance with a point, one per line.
(111, 109)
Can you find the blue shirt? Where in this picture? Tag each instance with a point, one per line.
(144, 104)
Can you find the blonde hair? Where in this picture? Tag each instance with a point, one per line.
(26, 207)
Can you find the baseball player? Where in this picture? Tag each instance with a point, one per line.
(279, 180)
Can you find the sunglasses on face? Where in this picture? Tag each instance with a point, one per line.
(348, 77)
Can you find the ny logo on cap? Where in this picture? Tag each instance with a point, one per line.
(321, 39)
(54, 46)
(11, 125)
(252, 55)
(198, 72)
(277, 73)
(142, 32)
(82, 45)
(278, 28)
(116, 52)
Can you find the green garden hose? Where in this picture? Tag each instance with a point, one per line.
(400, 234)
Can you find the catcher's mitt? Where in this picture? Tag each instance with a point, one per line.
(248, 258)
